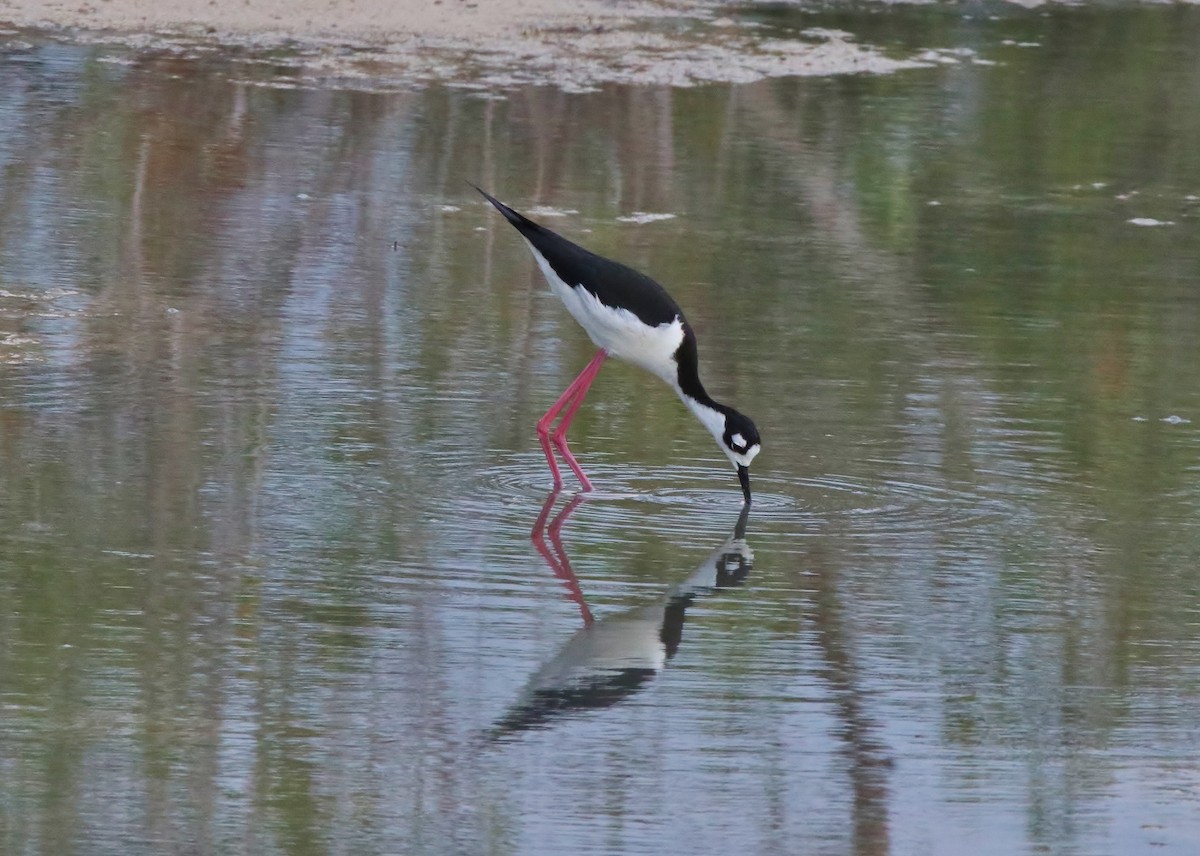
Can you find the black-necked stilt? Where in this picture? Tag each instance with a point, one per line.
(612, 657)
(628, 315)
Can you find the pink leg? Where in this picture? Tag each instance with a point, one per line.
(543, 425)
(560, 433)
(571, 399)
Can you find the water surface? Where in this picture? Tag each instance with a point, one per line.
(268, 378)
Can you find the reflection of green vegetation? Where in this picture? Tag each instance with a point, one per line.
(1075, 309)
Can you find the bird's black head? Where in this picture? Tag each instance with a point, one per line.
(741, 443)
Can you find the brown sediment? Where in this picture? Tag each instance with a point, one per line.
(376, 21)
(489, 44)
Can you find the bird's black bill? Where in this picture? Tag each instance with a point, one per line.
(744, 478)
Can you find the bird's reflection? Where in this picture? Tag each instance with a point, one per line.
(612, 657)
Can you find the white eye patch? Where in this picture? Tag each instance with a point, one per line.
(738, 441)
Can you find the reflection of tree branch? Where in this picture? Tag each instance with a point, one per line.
(870, 761)
(812, 171)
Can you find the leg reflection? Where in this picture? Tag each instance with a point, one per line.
(554, 554)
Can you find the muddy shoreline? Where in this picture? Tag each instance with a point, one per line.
(493, 45)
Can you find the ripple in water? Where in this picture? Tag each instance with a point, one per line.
(617, 483)
(802, 504)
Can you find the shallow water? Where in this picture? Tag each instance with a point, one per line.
(268, 378)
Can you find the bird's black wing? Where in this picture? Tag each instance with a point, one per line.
(612, 283)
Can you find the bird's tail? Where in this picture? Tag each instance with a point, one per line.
(517, 219)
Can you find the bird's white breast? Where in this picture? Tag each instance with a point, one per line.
(619, 331)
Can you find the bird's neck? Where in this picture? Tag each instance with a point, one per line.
(707, 411)
(691, 390)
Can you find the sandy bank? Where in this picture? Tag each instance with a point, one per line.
(360, 21)
(492, 44)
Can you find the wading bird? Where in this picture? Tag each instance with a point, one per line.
(630, 316)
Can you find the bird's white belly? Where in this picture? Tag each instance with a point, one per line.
(619, 331)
